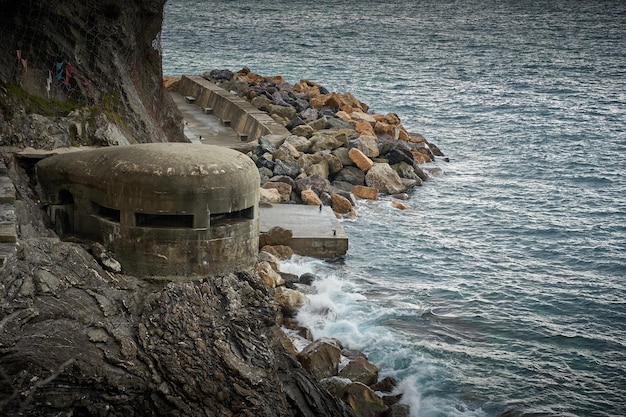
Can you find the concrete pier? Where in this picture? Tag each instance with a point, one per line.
(316, 233)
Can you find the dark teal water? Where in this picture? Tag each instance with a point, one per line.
(504, 287)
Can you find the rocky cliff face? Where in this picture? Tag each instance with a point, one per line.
(83, 67)
(76, 340)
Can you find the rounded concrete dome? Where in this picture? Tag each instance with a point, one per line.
(161, 175)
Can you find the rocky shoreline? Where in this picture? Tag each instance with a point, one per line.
(337, 152)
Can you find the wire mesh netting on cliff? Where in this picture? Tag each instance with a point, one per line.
(69, 52)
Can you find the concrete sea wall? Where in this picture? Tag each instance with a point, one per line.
(242, 116)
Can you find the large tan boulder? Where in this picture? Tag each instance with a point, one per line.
(282, 252)
(321, 357)
(290, 301)
(368, 193)
(280, 235)
(273, 260)
(360, 159)
(359, 116)
(363, 400)
(360, 370)
(340, 204)
(270, 195)
(364, 128)
(385, 179)
(283, 189)
(309, 197)
(270, 278)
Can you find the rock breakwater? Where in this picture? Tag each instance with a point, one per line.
(337, 150)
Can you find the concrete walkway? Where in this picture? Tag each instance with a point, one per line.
(204, 128)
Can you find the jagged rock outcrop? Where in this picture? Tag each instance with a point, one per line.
(76, 63)
(78, 340)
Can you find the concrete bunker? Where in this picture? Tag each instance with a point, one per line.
(162, 209)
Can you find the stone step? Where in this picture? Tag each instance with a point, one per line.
(7, 250)
(8, 233)
(7, 190)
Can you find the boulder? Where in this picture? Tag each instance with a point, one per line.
(271, 195)
(382, 177)
(270, 258)
(334, 163)
(303, 130)
(320, 169)
(364, 128)
(283, 188)
(266, 145)
(265, 174)
(337, 123)
(405, 170)
(348, 195)
(363, 400)
(397, 155)
(368, 145)
(310, 198)
(307, 278)
(290, 301)
(321, 357)
(335, 385)
(340, 204)
(343, 155)
(279, 235)
(310, 114)
(342, 186)
(299, 142)
(313, 182)
(282, 252)
(318, 124)
(324, 142)
(387, 384)
(296, 121)
(287, 152)
(353, 175)
(364, 192)
(360, 159)
(268, 275)
(361, 370)
(283, 178)
(288, 168)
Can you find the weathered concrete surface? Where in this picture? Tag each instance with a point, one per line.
(242, 116)
(316, 233)
(202, 127)
(163, 209)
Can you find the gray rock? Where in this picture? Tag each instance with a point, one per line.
(301, 143)
(290, 169)
(385, 179)
(314, 182)
(351, 174)
(342, 154)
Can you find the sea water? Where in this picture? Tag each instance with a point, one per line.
(503, 288)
